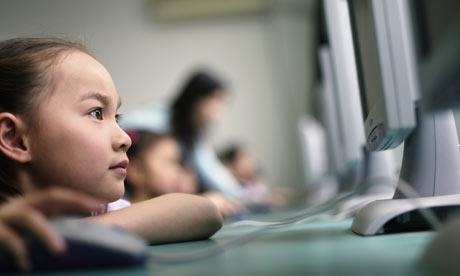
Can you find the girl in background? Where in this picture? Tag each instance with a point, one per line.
(58, 128)
(155, 168)
(242, 164)
(197, 107)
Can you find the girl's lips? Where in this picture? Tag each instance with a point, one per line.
(121, 167)
(119, 170)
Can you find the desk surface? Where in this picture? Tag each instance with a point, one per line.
(313, 248)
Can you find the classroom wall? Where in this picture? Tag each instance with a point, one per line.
(268, 60)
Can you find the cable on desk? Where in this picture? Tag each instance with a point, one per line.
(403, 187)
(312, 213)
(315, 212)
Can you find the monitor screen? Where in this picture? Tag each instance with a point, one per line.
(386, 70)
(408, 55)
(437, 39)
(368, 63)
(341, 97)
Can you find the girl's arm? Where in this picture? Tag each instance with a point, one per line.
(168, 218)
(213, 174)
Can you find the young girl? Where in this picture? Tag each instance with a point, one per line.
(155, 168)
(58, 128)
(241, 163)
(195, 109)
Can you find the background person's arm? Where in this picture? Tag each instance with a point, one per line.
(212, 173)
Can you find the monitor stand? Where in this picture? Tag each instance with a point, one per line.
(431, 166)
(378, 170)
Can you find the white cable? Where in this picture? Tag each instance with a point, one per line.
(203, 253)
(316, 212)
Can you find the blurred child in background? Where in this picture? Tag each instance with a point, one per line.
(196, 109)
(155, 167)
(190, 116)
(155, 170)
(241, 163)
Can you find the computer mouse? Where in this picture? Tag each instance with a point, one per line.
(441, 254)
(89, 245)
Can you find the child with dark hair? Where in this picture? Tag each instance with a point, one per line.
(194, 110)
(241, 163)
(155, 168)
(61, 147)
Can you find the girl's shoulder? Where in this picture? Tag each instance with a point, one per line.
(113, 206)
(117, 205)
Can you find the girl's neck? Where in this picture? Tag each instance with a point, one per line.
(26, 183)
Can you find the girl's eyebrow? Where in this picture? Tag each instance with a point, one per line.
(105, 100)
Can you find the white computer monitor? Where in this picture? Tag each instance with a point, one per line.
(340, 103)
(387, 71)
(339, 110)
(340, 97)
(393, 90)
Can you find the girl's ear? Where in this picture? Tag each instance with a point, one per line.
(12, 138)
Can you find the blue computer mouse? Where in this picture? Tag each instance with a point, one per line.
(89, 245)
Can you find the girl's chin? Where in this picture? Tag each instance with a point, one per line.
(113, 195)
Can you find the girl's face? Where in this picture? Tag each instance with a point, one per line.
(209, 109)
(244, 165)
(161, 167)
(77, 142)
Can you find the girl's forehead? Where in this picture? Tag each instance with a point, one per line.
(79, 73)
(78, 64)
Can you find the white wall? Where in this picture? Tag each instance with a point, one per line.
(267, 60)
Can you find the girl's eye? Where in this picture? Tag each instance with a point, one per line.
(96, 113)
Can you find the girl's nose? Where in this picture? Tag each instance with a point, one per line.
(122, 140)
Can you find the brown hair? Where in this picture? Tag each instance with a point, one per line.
(200, 85)
(25, 65)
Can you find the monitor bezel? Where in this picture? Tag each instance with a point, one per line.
(344, 87)
(392, 118)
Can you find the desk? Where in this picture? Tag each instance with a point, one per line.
(313, 248)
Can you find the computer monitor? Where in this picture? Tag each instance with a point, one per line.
(398, 78)
(323, 159)
(345, 173)
(320, 184)
(338, 107)
(344, 152)
(339, 112)
(340, 98)
(387, 72)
